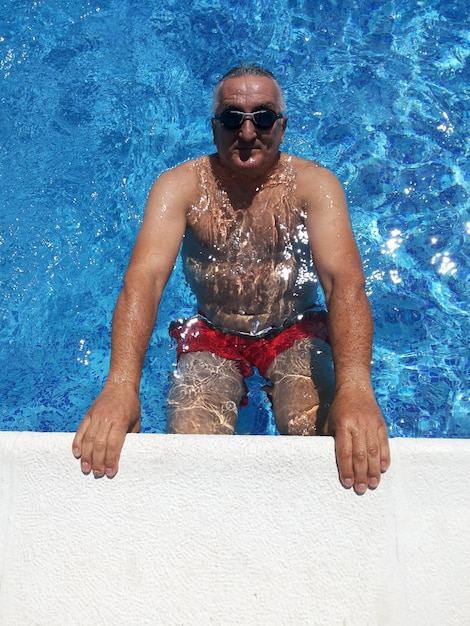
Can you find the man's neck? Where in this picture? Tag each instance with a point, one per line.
(246, 181)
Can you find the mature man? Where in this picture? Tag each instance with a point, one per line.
(254, 223)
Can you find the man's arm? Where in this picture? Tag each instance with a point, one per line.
(116, 411)
(355, 420)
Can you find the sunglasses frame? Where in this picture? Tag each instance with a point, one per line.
(251, 116)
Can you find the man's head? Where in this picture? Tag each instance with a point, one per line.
(246, 70)
(249, 121)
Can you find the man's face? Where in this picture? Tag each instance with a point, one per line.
(248, 149)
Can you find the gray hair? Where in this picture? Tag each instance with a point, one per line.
(246, 69)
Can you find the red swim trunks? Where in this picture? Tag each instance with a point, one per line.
(197, 334)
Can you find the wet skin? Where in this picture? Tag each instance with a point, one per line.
(249, 225)
(250, 268)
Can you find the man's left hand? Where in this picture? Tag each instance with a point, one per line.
(361, 440)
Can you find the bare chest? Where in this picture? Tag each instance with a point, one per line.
(236, 226)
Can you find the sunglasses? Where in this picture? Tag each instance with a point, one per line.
(261, 119)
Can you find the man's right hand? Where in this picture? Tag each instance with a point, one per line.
(100, 436)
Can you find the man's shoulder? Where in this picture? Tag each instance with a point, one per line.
(183, 169)
(296, 161)
(177, 185)
(183, 176)
(308, 171)
(301, 164)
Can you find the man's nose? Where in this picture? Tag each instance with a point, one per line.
(248, 129)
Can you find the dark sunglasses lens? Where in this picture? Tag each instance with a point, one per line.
(264, 119)
(231, 119)
(261, 119)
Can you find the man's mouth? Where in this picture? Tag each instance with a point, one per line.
(246, 152)
(246, 147)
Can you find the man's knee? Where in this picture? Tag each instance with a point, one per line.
(202, 420)
(296, 406)
(301, 425)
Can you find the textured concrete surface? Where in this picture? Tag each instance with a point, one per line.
(232, 530)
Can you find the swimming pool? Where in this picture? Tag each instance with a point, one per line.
(98, 98)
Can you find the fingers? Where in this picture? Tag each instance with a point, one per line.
(98, 444)
(95, 448)
(362, 457)
(385, 456)
(78, 439)
(100, 437)
(114, 445)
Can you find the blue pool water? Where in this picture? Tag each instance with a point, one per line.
(98, 98)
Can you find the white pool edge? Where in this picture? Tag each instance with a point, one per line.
(232, 530)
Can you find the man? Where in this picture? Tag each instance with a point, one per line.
(251, 219)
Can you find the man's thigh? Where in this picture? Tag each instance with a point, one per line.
(205, 395)
(303, 387)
